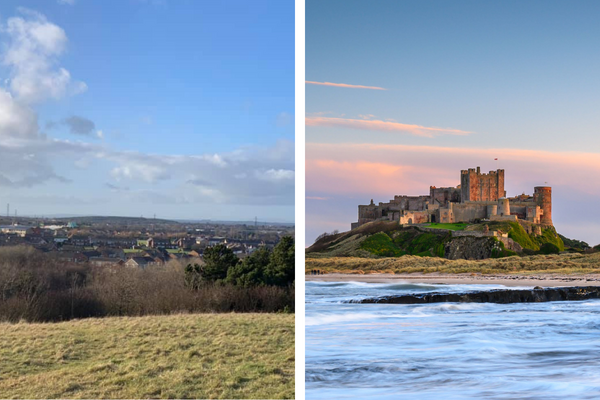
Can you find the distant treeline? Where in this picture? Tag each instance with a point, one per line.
(37, 287)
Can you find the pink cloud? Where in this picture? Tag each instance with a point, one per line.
(345, 85)
(387, 126)
(316, 198)
(403, 169)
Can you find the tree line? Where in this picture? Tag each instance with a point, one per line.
(264, 267)
(35, 286)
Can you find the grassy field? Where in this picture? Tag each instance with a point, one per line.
(178, 356)
(563, 264)
(451, 227)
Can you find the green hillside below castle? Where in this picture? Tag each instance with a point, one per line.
(389, 239)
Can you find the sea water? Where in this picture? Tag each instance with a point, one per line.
(447, 350)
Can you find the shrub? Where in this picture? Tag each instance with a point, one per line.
(281, 268)
(218, 259)
(380, 244)
(549, 248)
(251, 271)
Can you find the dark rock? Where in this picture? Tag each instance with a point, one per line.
(470, 248)
(502, 296)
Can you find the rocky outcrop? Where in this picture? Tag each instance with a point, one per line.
(502, 296)
(471, 248)
(510, 244)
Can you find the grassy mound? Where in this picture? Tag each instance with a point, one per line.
(519, 235)
(380, 244)
(177, 356)
(403, 241)
(550, 236)
(388, 239)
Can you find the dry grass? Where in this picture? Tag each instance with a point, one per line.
(177, 356)
(563, 264)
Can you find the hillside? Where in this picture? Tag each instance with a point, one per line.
(177, 356)
(388, 239)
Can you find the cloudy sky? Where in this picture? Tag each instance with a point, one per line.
(403, 95)
(139, 107)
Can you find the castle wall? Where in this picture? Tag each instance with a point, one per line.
(465, 212)
(503, 207)
(503, 218)
(411, 203)
(445, 216)
(367, 214)
(519, 211)
(444, 195)
(414, 217)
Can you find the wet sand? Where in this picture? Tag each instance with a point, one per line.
(544, 280)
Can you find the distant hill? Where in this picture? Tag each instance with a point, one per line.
(218, 222)
(116, 220)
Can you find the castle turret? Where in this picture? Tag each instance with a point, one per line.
(503, 206)
(542, 195)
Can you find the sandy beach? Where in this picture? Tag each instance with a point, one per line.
(544, 280)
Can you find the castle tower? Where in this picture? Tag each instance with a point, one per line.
(476, 186)
(542, 195)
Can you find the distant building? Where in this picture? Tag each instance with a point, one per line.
(141, 262)
(19, 230)
(80, 240)
(106, 261)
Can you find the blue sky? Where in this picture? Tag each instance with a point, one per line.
(134, 107)
(461, 84)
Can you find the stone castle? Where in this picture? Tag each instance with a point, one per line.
(478, 197)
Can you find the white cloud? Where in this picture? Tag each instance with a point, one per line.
(16, 120)
(66, 2)
(32, 48)
(214, 159)
(136, 169)
(250, 175)
(275, 175)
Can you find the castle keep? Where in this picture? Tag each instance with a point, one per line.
(479, 196)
